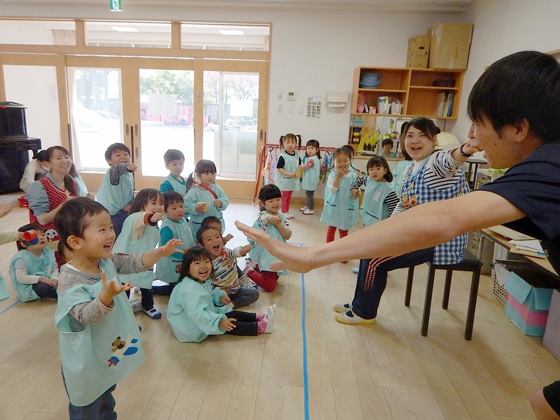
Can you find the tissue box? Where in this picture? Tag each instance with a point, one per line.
(551, 339)
(527, 305)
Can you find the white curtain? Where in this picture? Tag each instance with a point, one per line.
(64, 37)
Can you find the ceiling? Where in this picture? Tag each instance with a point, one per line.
(424, 6)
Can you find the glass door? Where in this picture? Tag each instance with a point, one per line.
(145, 104)
(233, 120)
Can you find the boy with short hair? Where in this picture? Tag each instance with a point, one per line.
(387, 147)
(174, 225)
(116, 191)
(100, 342)
(174, 161)
(224, 264)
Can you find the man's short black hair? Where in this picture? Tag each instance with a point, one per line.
(113, 148)
(387, 141)
(523, 85)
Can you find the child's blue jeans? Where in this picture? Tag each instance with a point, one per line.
(102, 408)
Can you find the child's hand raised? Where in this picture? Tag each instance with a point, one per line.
(245, 250)
(355, 193)
(171, 247)
(275, 220)
(111, 289)
(156, 217)
(227, 324)
(227, 238)
(225, 300)
(132, 167)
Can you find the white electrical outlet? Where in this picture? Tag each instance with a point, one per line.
(279, 96)
(291, 109)
(280, 108)
(300, 109)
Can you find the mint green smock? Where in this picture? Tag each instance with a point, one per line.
(36, 267)
(398, 175)
(148, 242)
(194, 310)
(310, 177)
(374, 207)
(175, 184)
(166, 268)
(259, 253)
(115, 197)
(340, 209)
(4, 294)
(97, 356)
(291, 163)
(198, 194)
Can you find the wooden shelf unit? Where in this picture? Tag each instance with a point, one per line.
(413, 87)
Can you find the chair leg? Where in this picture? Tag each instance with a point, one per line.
(447, 289)
(472, 304)
(428, 300)
(408, 291)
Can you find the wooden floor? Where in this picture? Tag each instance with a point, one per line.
(382, 371)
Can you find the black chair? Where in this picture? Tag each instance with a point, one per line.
(470, 263)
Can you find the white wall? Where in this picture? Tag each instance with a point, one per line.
(312, 51)
(502, 27)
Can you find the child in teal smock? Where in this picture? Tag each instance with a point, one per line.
(311, 173)
(205, 198)
(174, 161)
(33, 269)
(100, 343)
(196, 310)
(340, 209)
(173, 226)
(6, 237)
(140, 233)
(275, 224)
(116, 191)
(287, 170)
(379, 199)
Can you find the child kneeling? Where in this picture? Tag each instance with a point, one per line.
(195, 310)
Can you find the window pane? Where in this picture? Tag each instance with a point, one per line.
(225, 37)
(166, 106)
(128, 34)
(230, 122)
(40, 32)
(96, 115)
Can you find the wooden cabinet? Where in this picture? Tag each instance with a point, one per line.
(412, 87)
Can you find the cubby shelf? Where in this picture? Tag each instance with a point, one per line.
(412, 86)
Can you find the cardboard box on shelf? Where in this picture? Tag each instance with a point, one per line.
(450, 45)
(418, 51)
(527, 304)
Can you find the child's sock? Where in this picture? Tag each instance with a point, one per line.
(271, 311)
(260, 317)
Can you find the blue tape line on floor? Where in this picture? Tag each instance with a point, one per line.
(304, 336)
(11, 306)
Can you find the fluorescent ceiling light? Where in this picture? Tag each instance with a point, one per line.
(124, 29)
(231, 32)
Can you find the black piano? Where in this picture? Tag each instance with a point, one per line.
(14, 145)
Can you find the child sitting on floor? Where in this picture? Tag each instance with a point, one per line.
(196, 311)
(224, 264)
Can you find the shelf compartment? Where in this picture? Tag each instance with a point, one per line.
(426, 78)
(371, 97)
(425, 105)
(392, 79)
(438, 88)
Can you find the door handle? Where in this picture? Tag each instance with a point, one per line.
(197, 96)
(136, 150)
(127, 131)
(261, 135)
(135, 129)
